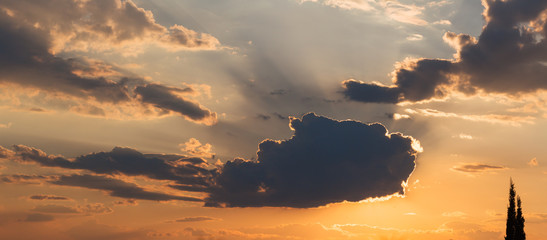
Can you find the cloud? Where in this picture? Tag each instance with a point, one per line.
(195, 148)
(38, 217)
(117, 188)
(477, 168)
(489, 118)
(464, 136)
(104, 25)
(415, 37)
(326, 161)
(394, 10)
(47, 197)
(533, 162)
(23, 178)
(28, 64)
(5, 153)
(127, 161)
(196, 219)
(512, 46)
(166, 98)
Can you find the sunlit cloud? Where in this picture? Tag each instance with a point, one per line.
(533, 162)
(394, 10)
(415, 37)
(195, 148)
(489, 118)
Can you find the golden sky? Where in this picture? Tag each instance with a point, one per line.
(271, 119)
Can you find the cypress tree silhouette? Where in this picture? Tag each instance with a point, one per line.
(519, 225)
(514, 229)
(511, 214)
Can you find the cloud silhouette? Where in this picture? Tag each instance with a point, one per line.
(326, 161)
(511, 47)
(181, 169)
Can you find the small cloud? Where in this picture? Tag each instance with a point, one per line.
(95, 208)
(126, 202)
(197, 219)
(464, 136)
(477, 168)
(5, 125)
(397, 116)
(415, 37)
(410, 214)
(533, 162)
(47, 197)
(195, 148)
(263, 117)
(442, 22)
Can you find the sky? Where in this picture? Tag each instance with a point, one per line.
(271, 119)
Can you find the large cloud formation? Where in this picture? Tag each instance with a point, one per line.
(28, 42)
(508, 57)
(326, 161)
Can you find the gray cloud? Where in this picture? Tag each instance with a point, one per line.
(47, 197)
(117, 188)
(27, 61)
(326, 161)
(511, 47)
(127, 161)
(196, 219)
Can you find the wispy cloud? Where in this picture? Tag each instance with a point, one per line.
(477, 168)
(488, 118)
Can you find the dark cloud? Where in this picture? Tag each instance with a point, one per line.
(132, 202)
(196, 219)
(47, 197)
(508, 57)
(164, 97)
(27, 61)
(326, 161)
(38, 217)
(477, 168)
(117, 188)
(263, 117)
(127, 161)
(22, 178)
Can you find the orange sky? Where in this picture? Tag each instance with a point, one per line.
(289, 119)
